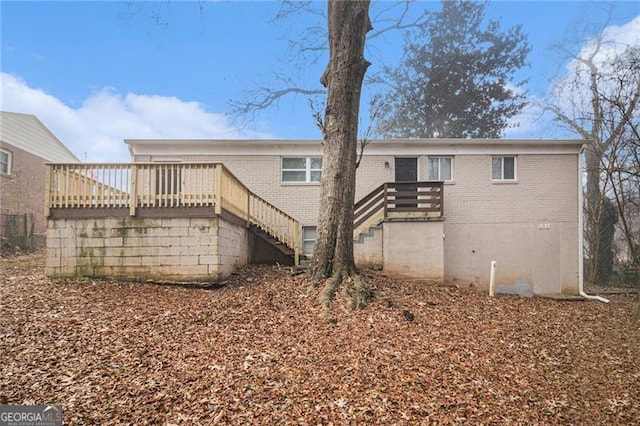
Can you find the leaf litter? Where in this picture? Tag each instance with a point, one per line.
(260, 350)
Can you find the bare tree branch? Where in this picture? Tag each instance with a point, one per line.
(311, 45)
(273, 95)
(401, 22)
(317, 111)
(571, 122)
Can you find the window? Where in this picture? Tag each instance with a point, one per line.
(503, 168)
(5, 162)
(308, 239)
(440, 168)
(301, 169)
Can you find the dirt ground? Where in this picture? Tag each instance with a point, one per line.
(260, 351)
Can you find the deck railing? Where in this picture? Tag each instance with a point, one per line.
(164, 185)
(398, 200)
(275, 222)
(233, 195)
(172, 184)
(88, 185)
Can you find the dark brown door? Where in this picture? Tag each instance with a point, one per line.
(406, 170)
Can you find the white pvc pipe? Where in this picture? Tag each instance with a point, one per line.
(581, 236)
(492, 279)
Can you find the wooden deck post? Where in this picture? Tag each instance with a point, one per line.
(217, 188)
(47, 191)
(386, 200)
(133, 191)
(297, 243)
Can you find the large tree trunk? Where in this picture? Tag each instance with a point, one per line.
(593, 154)
(333, 255)
(593, 207)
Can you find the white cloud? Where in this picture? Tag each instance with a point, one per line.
(615, 39)
(100, 124)
(571, 91)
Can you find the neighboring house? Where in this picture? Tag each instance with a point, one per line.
(26, 145)
(517, 202)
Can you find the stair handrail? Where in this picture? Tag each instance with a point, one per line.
(369, 210)
(275, 222)
(379, 203)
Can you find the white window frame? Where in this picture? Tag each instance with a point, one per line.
(308, 171)
(9, 161)
(306, 240)
(502, 178)
(440, 158)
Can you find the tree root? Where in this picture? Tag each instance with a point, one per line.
(354, 290)
(328, 292)
(357, 292)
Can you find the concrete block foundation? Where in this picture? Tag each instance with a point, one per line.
(203, 249)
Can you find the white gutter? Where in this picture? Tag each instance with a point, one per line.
(581, 235)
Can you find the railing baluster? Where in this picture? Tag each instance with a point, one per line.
(66, 183)
(132, 184)
(108, 190)
(84, 181)
(147, 185)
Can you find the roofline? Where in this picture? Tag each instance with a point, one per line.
(177, 148)
(430, 141)
(46, 129)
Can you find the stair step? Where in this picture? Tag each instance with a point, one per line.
(279, 245)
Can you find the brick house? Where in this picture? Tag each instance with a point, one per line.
(26, 145)
(517, 202)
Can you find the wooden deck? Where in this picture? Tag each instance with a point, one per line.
(152, 189)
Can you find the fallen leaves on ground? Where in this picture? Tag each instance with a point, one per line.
(261, 351)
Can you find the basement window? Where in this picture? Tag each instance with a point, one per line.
(503, 168)
(301, 169)
(308, 240)
(5, 162)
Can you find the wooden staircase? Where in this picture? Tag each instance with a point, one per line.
(275, 227)
(398, 200)
(273, 241)
(392, 200)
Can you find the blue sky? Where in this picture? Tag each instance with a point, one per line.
(98, 72)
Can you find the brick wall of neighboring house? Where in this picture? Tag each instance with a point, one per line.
(22, 191)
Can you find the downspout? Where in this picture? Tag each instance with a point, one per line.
(581, 235)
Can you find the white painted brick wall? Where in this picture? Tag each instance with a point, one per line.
(545, 189)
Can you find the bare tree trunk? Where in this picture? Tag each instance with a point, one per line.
(333, 255)
(593, 208)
